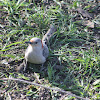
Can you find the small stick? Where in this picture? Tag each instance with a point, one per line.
(49, 88)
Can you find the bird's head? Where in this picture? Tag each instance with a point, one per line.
(35, 42)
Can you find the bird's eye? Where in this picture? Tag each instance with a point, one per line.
(36, 42)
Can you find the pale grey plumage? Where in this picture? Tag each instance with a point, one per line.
(37, 51)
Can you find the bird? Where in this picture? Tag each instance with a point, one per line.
(37, 51)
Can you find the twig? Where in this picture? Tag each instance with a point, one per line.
(49, 88)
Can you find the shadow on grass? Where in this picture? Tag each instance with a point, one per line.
(58, 75)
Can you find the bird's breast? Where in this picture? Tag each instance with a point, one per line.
(35, 55)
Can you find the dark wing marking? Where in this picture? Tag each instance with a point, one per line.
(45, 50)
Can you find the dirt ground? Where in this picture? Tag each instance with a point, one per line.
(8, 65)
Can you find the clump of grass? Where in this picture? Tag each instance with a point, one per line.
(70, 47)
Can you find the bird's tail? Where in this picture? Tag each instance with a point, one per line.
(49, 33)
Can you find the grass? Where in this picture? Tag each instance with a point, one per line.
(73, 48)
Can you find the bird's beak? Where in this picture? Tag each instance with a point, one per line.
(28, 42)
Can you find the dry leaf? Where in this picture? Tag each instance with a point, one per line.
(88, 23)
(84, 13)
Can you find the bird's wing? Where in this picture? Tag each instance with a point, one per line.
(45, 50)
